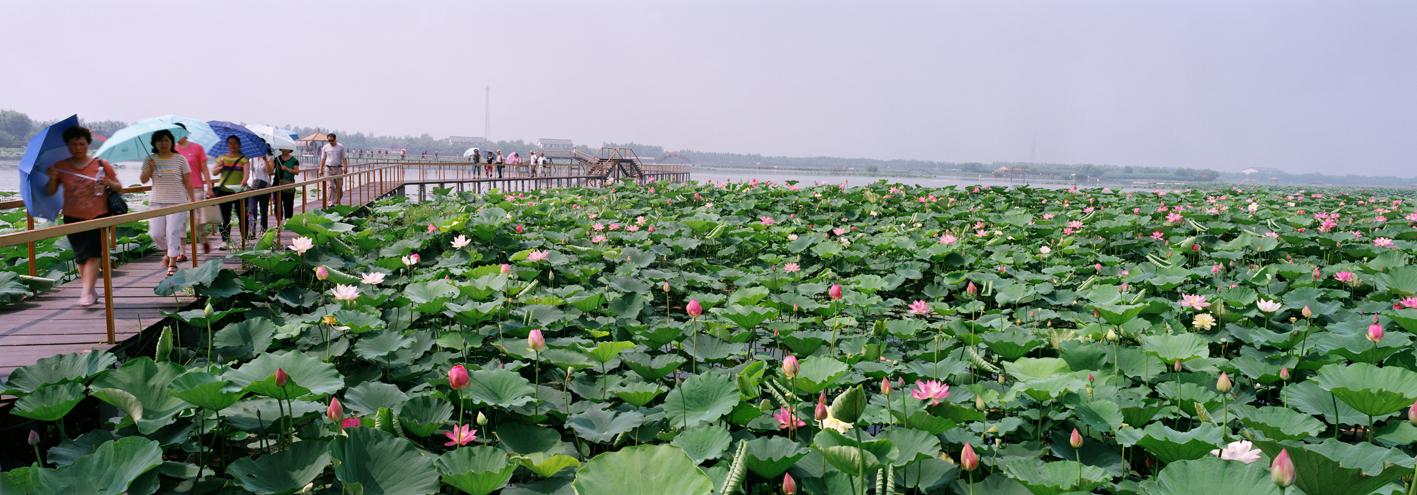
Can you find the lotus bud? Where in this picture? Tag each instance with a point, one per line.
(536, 341)
(1178, 366)
(835, 292)
(789, 487)
(651, 229)
(666, 286)
(1223, 384)
(458, 378)
(993, 430)
(1195, 247)
(33, 438)
(207, 311)
(1090, 378)
(336, 410)
(821, 412)
(481, 418)
(1375, 333)
(1412, 414)
(790, 367)
(1284, 373)
(1075, 440)
(694, 308)
(506, 269)
(520, 229)
(885, 386)
(978, 403)
(971, 289)
(281, 377)
(1308, 313)
(968, 461)
(321, 272)
(1111, 335)
(1282, 470)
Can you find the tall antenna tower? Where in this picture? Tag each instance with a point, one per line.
(487, 124)
(1033, 151)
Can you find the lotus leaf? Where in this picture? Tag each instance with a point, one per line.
(661, 469)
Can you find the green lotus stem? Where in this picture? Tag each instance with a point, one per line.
(40, 460)
(1079, 485)
(1414, 481)
(861, 462)
(1370, 428)
(62, 433)
(1225, 413)
(536, 410)
(1336, 417)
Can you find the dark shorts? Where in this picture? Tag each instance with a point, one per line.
(86, 244)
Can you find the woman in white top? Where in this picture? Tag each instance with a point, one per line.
(168, 171)
(258, 206)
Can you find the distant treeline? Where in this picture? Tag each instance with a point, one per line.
(16, 128)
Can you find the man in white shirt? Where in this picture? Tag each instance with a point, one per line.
(332, 164)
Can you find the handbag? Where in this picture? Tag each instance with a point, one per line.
(116, 204)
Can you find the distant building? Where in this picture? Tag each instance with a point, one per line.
(466, 140)
(554, 144)
(1261, 170)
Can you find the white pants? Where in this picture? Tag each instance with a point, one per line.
(167, 231)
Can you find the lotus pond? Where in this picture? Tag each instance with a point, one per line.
(725, 338)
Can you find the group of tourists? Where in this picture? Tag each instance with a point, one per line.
(535, 165)
(177, 169)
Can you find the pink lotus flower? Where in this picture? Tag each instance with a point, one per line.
(1282, 469)
(598, 239)
(535, 340)
(968, 460)
(788, 419)
(460, 242)
(839, 231)
(1375, 332)
(461, 435)
(948, 239)
(598, 227)
(520, 229)
(411, 259)
(1174, 217)
(536, 256)
(932, 391)
(1242, 451)
(1196, 302)
(632, 228)
(694, 309)
(791, 268)
(353, 422)
(458, 378)
(790, 367)
(835, 292)
(345, 292)
(321, 272)
(336, 411)
(281, 377)
(765, 221)
(1382, 242)
(1157, 235)
(374, 278)
(614, 226)
(1409, 302)
(432, 228)
(1345, 277)
(919, 307)
(1075, 224)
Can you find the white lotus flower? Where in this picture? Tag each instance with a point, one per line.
(836, 424)
(460, 242)
(1268, 306)
(301, 244)
(1242, 451)
(346, 292)
(374, 278)
(1045, 250)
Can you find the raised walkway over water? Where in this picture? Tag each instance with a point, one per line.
(52, 323)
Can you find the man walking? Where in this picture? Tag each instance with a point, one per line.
(332, 164)
(500, 161)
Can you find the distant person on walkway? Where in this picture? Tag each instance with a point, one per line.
(332, 164)
(86, 183)
(286, 168)
(169, 172)
(201, 178)
(500, 166)
(545, 164)
(232, 171)
(490, 159)
(259, 206)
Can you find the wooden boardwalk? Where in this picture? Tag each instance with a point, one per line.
(53, 323)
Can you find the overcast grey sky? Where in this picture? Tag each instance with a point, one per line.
(1300, 85)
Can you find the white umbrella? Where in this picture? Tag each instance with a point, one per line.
(277, 138)
(470, 152)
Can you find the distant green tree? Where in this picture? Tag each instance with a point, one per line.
(15, 128)
(872, 168)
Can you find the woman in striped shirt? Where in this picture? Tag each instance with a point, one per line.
(168, 170)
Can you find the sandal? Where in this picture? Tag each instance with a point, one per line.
(172, 269)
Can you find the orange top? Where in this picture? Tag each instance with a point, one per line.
(84, 195)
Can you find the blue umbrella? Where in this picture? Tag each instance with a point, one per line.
(43, 150)
(135, 141)
(199, 132)
(293, 135)
(251, 143)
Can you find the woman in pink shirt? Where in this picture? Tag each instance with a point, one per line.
(86, 184)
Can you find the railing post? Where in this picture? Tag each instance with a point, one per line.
(29, 225)
(192, 227)
(107, 267)
(241, 208)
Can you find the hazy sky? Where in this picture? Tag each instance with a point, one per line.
(1300, 85)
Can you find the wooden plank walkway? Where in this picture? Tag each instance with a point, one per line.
(53, 323)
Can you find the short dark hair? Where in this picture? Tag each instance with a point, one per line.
(77, 132)
(162, 133)
(238, 143)
(332, 136)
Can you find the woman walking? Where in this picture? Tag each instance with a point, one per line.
(86, 184)
(169, 172)
(232, 171)
(287, 166)
(259, 206)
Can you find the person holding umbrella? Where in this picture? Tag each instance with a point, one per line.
(168, 171)
(258, 206)
(86, 184)
(286, 168)
(231, 171)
